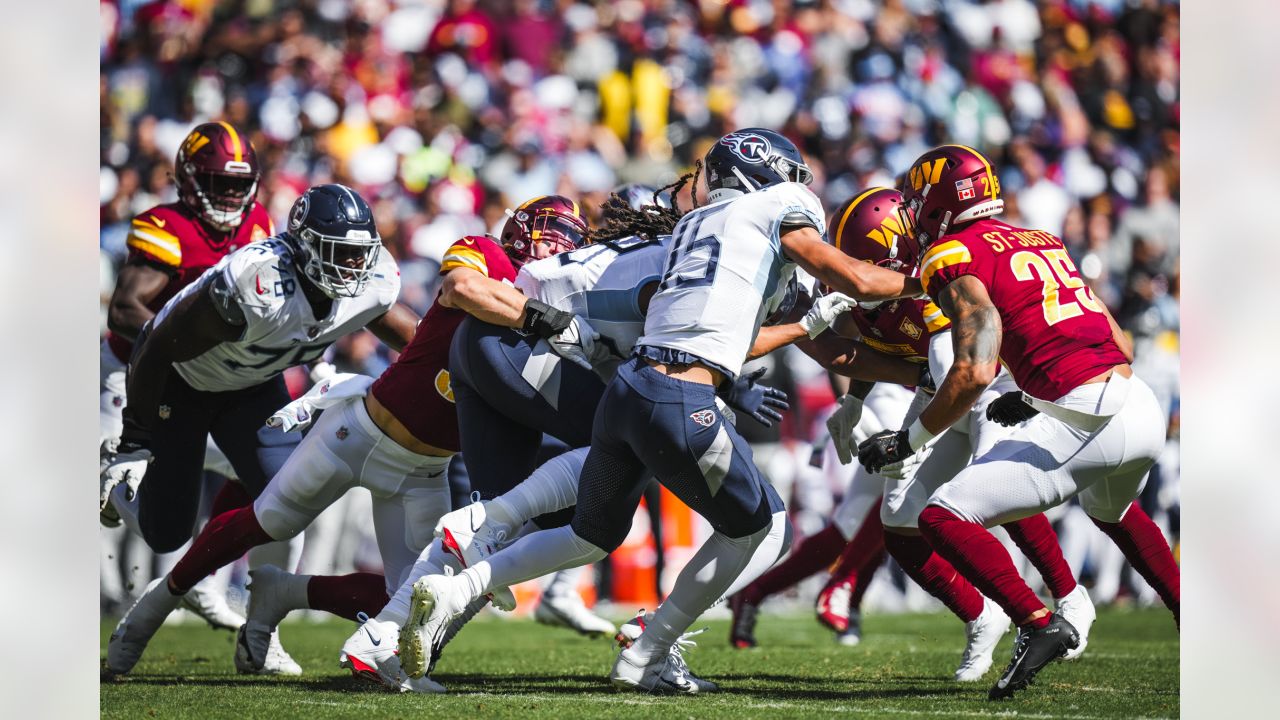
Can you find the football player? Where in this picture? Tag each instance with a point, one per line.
(728, 268)
(1083, 423)
(211, 362)
(170, 245)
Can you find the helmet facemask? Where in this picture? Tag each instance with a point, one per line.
(224, 198)
(542, 234)
(339, 266)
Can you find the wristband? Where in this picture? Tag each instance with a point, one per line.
(917, 435)
(134, 436)
(544, 320)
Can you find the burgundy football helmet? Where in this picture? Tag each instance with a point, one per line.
(217, 174)
(869, 228)
(542, 227)
(945, 187)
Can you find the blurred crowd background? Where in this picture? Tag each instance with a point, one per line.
(443, 113)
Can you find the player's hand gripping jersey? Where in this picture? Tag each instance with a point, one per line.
(416, 387)
(171, 238)
(258, 287)
(1056, 334)
(602, 284)
(725, 273)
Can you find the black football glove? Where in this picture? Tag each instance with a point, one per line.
(884, 448)
(925, 381)
(1010, 409)
(763, 403)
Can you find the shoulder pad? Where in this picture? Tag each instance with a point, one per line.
(154, 234)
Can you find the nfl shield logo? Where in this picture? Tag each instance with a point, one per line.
(116, 401)
(705, 418)
(964, 189)
(163, 411)
(342, 433)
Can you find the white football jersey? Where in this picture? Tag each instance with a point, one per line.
(601, 283)
(280, 329)
(726, 273)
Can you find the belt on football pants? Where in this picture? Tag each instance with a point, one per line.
(1088, 422)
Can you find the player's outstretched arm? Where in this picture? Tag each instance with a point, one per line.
(487, 299)
(859, 280)
(976, 334)
(203, 319)
(138, 284)
(853, 359)
(395, 327)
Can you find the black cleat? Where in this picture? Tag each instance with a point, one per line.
(742, 633)
(1031, 652)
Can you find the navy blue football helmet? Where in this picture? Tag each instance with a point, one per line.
(751, 159)
(335, 239)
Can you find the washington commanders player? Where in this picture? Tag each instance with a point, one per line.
(211, 362)
(170, 245)
(1085, 424)
(868, 228)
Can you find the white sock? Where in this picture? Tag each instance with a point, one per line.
(433, 561)
(564, 583)
(775, 546)
(710, 572)
(553, 486)
(294, 590)
(532, 556)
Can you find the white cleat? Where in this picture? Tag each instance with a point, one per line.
(852, 635)
(436, 601)
(275, 661)
(569, 611)
(1077, 609)
(467, 534)
(983, 634)
(370, 654)
(667, 675)
(258, 648)
(138, 625)
(207, 602)
(631, 630)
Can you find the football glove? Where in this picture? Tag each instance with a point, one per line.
(884, 448)
(1010, 409)
(121, 462)
(544, 320)
(825, 310)
(577, 344)
(763, 403)
(841, 425)
(925, 381)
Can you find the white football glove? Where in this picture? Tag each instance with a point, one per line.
(322, 371)
(841, 425)
(577, 344)
(120, 467)
(337, 388)
(825, 310)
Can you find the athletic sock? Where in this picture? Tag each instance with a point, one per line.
(563, 583)
(811, 554)
(532, 556)
(866, 574)
(224, 538)
(231, 496)
(1147, 550)
(977, 554)
(1035, 537)
(553, 486)
(346, 595)
(432, 562)
(867, 543)
(933, 573)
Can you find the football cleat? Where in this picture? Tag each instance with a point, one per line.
(136, 628)
(833, 605)
(1031, 652)
(982, 635)
(370, 654)
(631, 630)
(436, 600)
(1078, 610)
(569, 611)
(259, 636)
(742, 632)
(272, 661)
(852, 634)
(206, 601)
(467, 534)
(667, 675)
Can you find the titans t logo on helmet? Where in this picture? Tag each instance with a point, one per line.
(749, 146)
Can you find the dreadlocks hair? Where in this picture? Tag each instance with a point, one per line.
(650, 221)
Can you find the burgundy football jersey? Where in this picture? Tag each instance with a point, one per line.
(1056, 334)
(416, 387)
(901, 327)
(172, 237)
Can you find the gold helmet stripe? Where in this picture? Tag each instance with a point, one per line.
(849, 211)
(236, 147)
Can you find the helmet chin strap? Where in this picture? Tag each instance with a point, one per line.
(750, 186)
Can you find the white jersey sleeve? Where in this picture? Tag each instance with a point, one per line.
(725, 273)
(602, 283)
(261, 286)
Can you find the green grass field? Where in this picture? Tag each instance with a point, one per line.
(518, 669)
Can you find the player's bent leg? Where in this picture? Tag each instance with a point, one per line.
(1035, 537)
(835, 602)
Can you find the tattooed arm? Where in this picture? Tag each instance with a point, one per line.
(976, 336)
